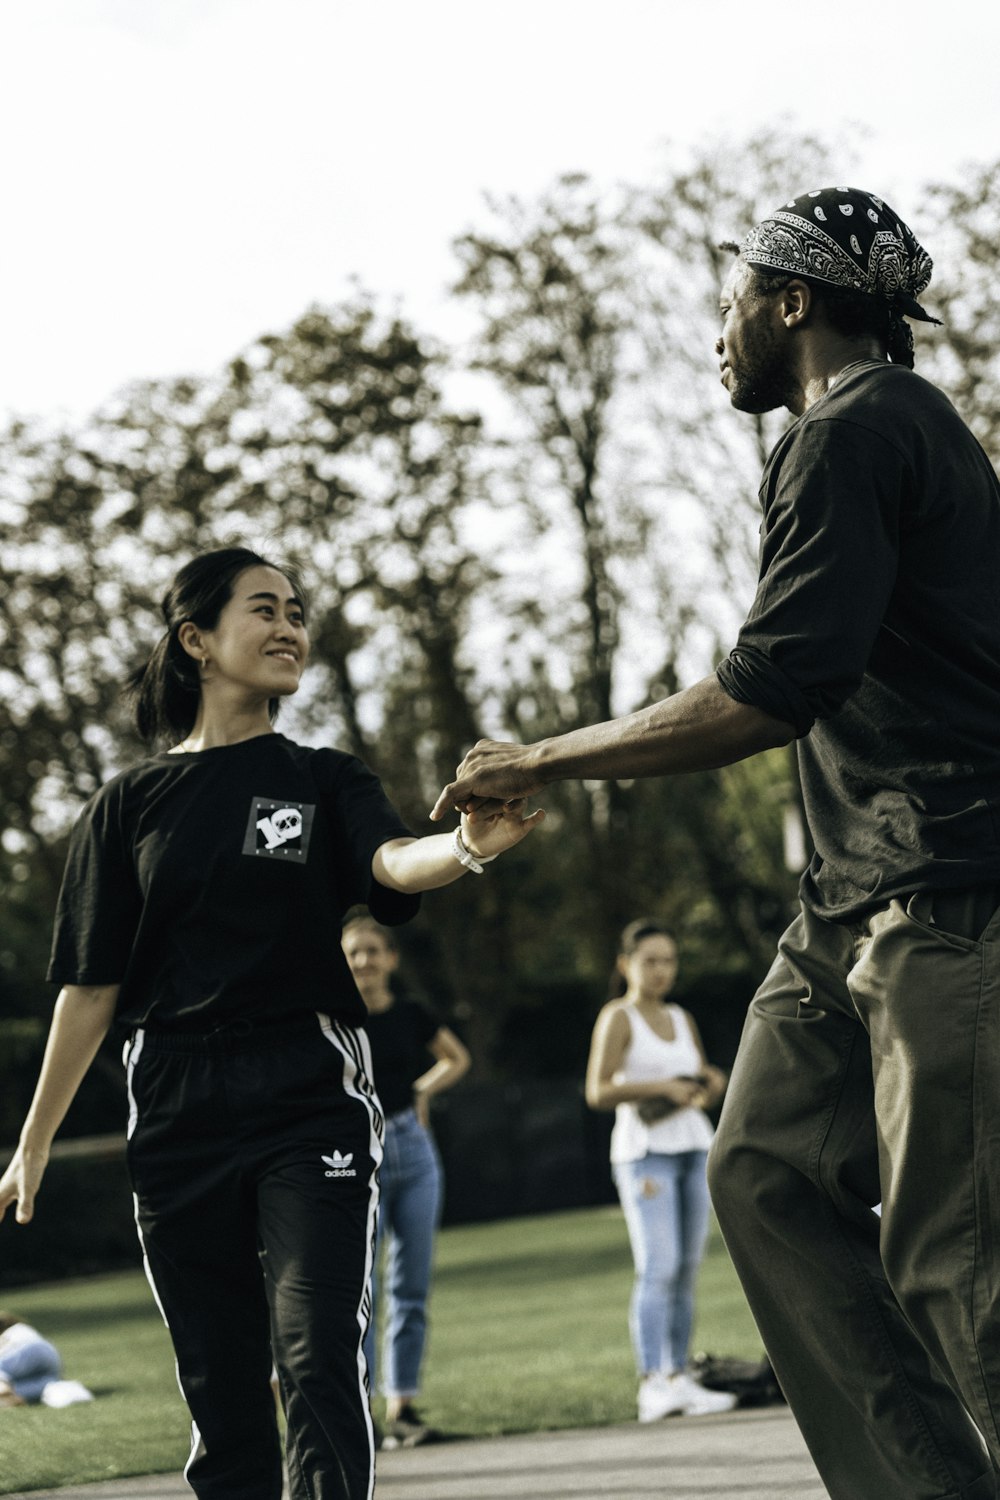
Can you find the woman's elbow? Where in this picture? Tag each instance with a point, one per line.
(391, 869)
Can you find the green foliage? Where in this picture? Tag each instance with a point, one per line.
(111, 1338)
(22, 1042)
(577, 545)
(964, 354)
(85, 1221)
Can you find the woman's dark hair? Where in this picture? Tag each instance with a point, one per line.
(854, 314)
(629, 941)
(165, 693)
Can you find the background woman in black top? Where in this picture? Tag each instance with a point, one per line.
(201, 911)
(414, 1057)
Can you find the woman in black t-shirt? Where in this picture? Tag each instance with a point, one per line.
(201, 911)
(414, 1057)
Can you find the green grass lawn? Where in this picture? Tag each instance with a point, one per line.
(528, 1332)
(111, 1337)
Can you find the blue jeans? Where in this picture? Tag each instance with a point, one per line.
(408, 1217)
(665, 1201)
(30, 1368)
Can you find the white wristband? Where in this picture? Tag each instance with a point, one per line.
(464, 857)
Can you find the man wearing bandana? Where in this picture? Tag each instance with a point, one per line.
(869, 1070)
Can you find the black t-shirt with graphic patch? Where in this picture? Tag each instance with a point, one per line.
(212, 885)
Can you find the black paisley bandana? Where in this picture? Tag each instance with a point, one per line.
(847, 238)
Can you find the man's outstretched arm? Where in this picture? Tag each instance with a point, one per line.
(695, 730)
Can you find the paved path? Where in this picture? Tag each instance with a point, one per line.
(744, 1455)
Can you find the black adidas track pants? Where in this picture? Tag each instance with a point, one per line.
(253, 1156)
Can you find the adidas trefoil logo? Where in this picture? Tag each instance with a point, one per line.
(340, 1166)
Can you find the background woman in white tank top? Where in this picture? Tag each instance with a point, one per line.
(648, 1064)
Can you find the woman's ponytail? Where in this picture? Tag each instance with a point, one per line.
(164, 694)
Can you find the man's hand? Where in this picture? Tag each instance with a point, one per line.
(492, 772)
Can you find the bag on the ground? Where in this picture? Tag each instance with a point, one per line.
(752, 1381)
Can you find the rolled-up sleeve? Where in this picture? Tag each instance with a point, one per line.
(829, 553)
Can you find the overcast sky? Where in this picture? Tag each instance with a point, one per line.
(180, 175)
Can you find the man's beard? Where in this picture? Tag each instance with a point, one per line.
(762, 383)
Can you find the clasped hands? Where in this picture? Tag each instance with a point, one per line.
(490, 790)
(683, 1093)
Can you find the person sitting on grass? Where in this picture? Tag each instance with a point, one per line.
(30, 1368)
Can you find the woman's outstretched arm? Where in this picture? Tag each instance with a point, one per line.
(425, 864)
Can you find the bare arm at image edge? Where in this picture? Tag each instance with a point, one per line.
(698, 729)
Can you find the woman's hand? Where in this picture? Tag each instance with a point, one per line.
(498, 826)
(683, 1092)
(426, 864)
(714, 1083)
(21, 1181)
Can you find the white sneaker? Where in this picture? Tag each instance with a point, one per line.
(64, 1393)
(693, 1400)
(658, 1398)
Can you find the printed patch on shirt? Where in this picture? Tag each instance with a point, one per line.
(279, 830)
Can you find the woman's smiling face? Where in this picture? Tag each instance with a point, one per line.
(260, 642)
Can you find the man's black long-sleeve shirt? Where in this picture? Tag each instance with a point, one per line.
(875, 631)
